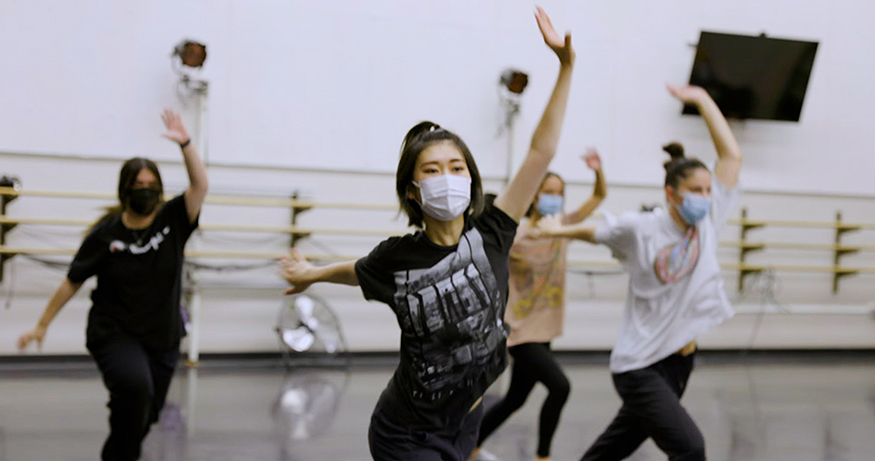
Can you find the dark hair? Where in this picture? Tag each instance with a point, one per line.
(417, 139)
(127, 177)
(679, 167)
(547, 176)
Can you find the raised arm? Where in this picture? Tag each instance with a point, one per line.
(522, 188)
(599, 192)
(728, 153)
(197, 172)
(300, 273)
(58, 300)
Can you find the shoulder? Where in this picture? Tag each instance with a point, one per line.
(495, 217)
(175, 203)
(103, 227)
(392, 246)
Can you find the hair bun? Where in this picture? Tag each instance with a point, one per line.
(676, 151)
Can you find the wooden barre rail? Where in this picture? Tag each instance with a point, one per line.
(296, 232)
(303, 204)
(282, 202)
(388, 233)
(216, 227)
(573, 263)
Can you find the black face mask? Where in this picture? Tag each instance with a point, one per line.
(143, 201)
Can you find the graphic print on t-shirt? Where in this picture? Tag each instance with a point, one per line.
(153, 244)
(455, 310)
(675, 262)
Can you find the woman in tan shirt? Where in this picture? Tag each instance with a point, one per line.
(536, 309)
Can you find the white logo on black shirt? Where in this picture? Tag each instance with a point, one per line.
(153, 244)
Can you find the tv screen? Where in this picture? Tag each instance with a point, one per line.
(753, 77)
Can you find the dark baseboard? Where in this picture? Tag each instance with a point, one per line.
(84, 364)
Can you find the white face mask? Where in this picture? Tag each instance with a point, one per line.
(445, 197)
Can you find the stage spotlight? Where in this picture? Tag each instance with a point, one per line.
(11, 181)
(191, 53)
(514, 81)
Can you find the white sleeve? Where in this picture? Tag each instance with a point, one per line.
(723, 202)
(618, 234)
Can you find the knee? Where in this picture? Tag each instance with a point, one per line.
(561, 389)
(695, 451)
(134, 390)
(513, 403)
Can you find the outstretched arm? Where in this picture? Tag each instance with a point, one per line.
(59, 299)
(552, 226)
(728, 153)
(300, 273)
(197, 172)
(599, 192)
(522, 189)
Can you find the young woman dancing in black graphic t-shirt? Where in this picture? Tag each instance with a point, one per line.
(134, 326)
(446, 283)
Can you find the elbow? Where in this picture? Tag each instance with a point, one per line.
(202, 186)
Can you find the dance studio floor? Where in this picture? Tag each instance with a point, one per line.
(763, 409)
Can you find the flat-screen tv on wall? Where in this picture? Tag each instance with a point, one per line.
(753, 77)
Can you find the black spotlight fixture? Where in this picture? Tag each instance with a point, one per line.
(514, 81)
(191, 53)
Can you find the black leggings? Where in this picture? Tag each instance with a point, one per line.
(651, 408)
(137, 380)
(532, 362)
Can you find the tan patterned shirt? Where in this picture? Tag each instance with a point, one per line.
(536, 303)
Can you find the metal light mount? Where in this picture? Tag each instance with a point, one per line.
(187, 59)
(511, 85)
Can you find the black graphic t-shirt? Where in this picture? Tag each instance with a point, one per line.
(449, 301)
(139, 277)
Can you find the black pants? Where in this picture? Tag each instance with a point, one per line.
(137, 380)
(652, 408)
(389, 442)
(532, 362)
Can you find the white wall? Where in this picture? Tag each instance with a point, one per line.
(335, 85)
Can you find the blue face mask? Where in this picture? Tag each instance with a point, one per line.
(694, 208)
(549, 204)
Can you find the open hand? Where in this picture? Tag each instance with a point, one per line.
(546, 227)
(296, 270)
(592, 159)
(176, 131)
(688, 94)
(37, 334)
(560, 46)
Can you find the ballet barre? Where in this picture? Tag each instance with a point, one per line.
(296, 232)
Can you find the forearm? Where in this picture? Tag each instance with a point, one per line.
(58, 300)
(598, 196)
(724, 141)
(600, 190)
(342, 273)
(197, 171)
(546, 137)
(585, 233)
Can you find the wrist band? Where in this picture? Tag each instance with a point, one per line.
(187, 142)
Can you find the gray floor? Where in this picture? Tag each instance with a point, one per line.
(766, 411)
